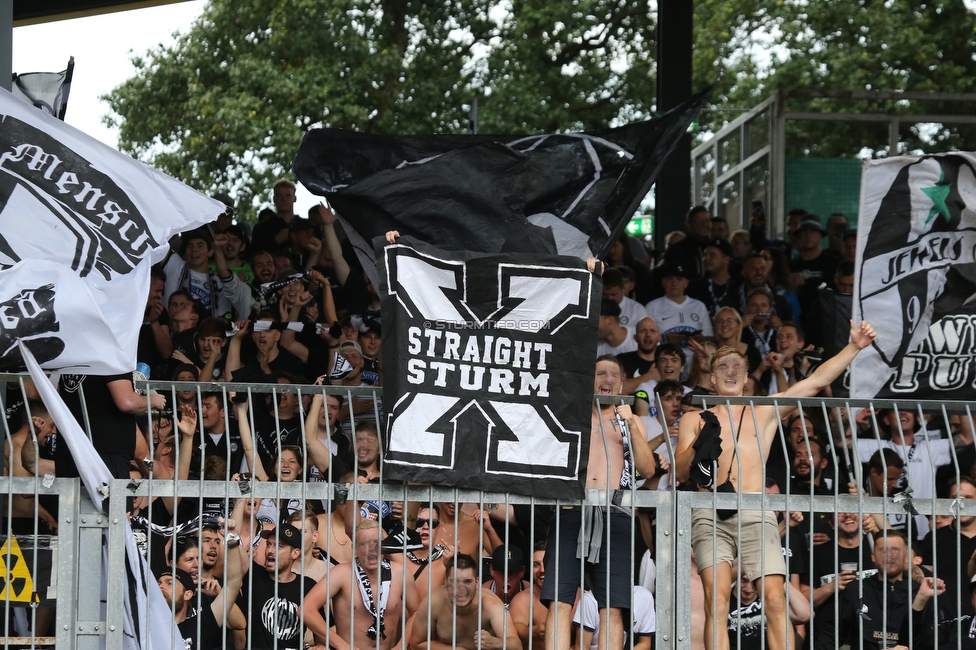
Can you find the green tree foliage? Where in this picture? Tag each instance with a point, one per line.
(844, 45)
(228, 104)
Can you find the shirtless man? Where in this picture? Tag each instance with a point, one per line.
(377, 610)
(454, 615)
(527, 606)
(21, 506)
(729, 369)
(470, 539)
(566, 523)
(428, 565)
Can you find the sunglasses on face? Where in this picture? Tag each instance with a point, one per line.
(433, 523)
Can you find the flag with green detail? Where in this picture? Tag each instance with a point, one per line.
(916, 277)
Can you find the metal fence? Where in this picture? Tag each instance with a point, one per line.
(65, 570)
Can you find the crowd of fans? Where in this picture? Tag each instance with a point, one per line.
(287, 303)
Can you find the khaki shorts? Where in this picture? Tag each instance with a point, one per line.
(759, 550)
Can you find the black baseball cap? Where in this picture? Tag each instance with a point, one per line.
(810, 222)
(178, 574)
(287, 534)
(721, 244)
(672, 270)
(513, 554)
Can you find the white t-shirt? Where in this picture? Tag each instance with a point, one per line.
(645, 622)
(631, 312)
(629, 345)
(919, 460)
(689, 316)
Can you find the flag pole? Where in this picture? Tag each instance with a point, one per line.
(6, 44)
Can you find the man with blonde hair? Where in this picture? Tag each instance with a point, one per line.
(372, 587)
(722, 446)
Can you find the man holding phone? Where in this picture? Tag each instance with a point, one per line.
(678, 316)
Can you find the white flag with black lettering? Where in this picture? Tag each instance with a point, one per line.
(80, 225)
(489, 368)
(916, 277)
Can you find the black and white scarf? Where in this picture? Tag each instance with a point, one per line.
(627, 471)
(424, 561)
(366, 591)
(205, 520)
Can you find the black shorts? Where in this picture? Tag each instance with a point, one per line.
(618, 565)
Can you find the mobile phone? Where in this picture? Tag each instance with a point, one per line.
(362, 473)
(764, 316)
(757, 209)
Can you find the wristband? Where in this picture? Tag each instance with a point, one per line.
(233, 540)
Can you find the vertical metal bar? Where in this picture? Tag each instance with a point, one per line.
(778, 167)
(116, 538)
(682, 566)
(68, 566)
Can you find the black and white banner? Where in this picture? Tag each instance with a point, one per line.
(488, 368)
(916, 279)
(565, 193)
(80, 225)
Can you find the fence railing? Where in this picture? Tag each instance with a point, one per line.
(60, 600)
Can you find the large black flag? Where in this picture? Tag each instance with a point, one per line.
(567, 193)
(917, 278)
(489, 368)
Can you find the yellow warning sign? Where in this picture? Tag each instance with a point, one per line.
(16, 584)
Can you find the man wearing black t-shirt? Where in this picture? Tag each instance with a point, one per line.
(816, 265)
(279, 424)
(110, 408)
(179, 590)
(276, 593)
(940, 548)
(639, 364)
(830, 573)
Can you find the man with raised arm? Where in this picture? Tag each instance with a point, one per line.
(611, 465)
(463, 614)
(738, 443)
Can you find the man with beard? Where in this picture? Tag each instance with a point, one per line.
(628, 452)
(179, 590)
(271, 596)
(527, 605)
(941, 548)
(830, 573)
(755, 273)
(639, 365)
(373, 588)
(874, 601)
(689, 252)
(463, 615)
(719, 288)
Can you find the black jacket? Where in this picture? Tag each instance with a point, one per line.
(867, 608)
